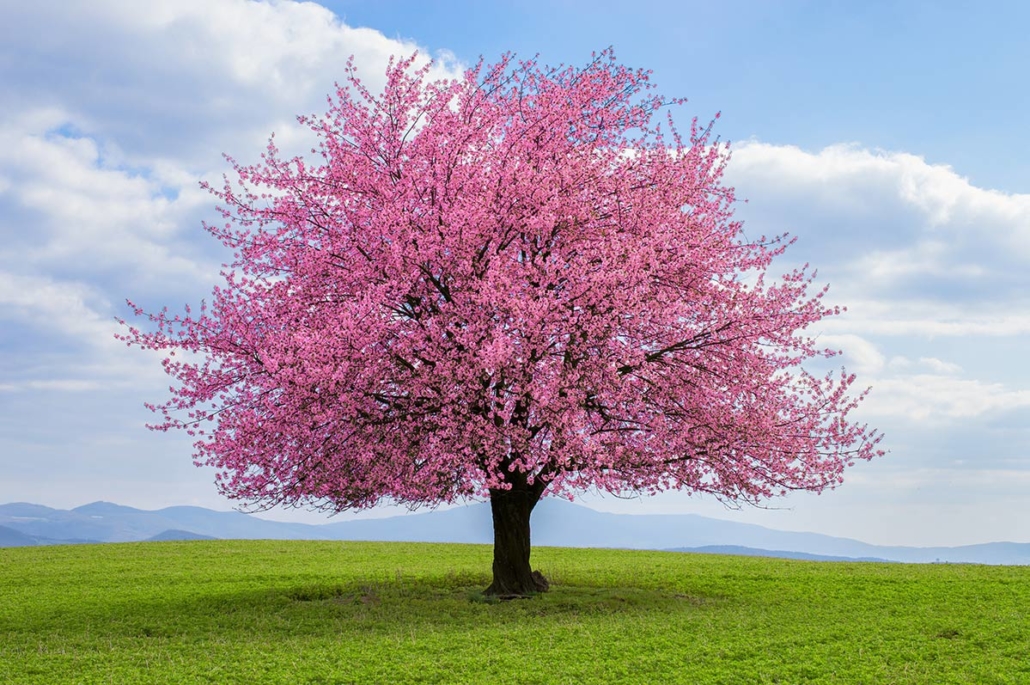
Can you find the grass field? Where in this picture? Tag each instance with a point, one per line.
(321, 612)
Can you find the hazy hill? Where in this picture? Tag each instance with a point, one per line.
(555, 523)
(739, 551)
(108, 522)
(10, 537)
(169, 535)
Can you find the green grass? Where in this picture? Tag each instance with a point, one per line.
(321, 612)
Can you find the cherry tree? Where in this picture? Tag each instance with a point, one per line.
(517, 283)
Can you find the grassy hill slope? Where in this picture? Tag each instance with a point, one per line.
(329, 612)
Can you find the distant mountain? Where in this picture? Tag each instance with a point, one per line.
(106, 522)
(555, 523)
(10, 537)
(739, 551)
(170, 535)
(237, 525)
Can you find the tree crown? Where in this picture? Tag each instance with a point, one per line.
(518, 280)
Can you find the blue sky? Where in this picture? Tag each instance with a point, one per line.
(889, 137)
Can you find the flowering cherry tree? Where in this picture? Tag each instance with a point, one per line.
(518, 283)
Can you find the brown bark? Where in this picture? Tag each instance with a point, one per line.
(512, 575)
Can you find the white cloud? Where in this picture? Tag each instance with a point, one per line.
(904, 315)
(115, 110)
(916, 253)
(936, 397)
(860, 354)
(939, 366)
(57, 384)
(86, 217)
(883, 206)
(846, 174)
(186, 79)
(63, 340)
(926, 258)
(924, 389)
(930, 363)
(912, 248)
(60, 306)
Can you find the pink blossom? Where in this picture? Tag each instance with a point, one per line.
(514, 282)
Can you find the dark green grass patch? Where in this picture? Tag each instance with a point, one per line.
(334, 613)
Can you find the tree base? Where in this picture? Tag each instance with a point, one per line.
(516, 590)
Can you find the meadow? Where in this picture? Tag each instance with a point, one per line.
(329, 612)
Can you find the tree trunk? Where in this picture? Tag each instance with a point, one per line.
(513, 576)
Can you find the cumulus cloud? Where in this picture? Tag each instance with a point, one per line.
(911, 248)
(931, 363)
(924, 389)
(917, 254)
(114, 111)
(939, 366)
(86, 217)
(61, 385)
(889, 222)
(185, 79)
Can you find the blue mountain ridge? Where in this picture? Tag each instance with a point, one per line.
(555, 523)
(10, 537)
(177, 535)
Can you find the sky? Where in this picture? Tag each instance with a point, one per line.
(890, 138)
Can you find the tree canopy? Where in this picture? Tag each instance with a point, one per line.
(525, 280)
